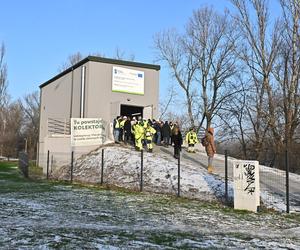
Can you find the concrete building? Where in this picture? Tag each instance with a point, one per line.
(95, 87)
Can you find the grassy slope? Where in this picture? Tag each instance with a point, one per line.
(14, 182)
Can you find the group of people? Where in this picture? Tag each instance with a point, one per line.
(140, 132)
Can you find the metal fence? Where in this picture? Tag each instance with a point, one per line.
(279, 188)
(64, 166)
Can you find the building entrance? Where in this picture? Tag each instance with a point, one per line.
(131, 111)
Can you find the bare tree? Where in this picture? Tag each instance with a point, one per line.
(12, 138)
(78, 56)
(211, 41)
(202, 62)
(3, 77)
(170, 47)
(234, 116)
(30, 107)
(165, 104)
(3, 96)
(122, 55)
(71, 60)
(259, 52)
(287, 69)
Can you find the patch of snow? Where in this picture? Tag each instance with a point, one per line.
(122, 168)
(273, 201)
(275, 171)
(218, 186)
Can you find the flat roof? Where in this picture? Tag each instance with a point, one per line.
(101, 60)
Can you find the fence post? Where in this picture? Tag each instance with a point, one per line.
(51, 169)
(26, 169)
(102, 166)
(178, 177)
(287, 184)
(142, 170)
(48, 153)
(226, 176)
(72, 162)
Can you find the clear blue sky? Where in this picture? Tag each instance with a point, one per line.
(40, 35)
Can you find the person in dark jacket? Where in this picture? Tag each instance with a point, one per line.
(116, 131)
(157, 127)
(177, 140)
(166, 131)
(127, 130)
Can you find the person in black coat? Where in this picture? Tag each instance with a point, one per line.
(166, 132)
(127, 130)
(157, 127)
(177, 140)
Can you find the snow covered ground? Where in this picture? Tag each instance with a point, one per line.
(122, 169)
(45, 216)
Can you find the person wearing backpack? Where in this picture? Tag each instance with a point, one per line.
(191, 139)
(209, 143)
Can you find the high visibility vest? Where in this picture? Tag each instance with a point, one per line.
(149, 132)
(191, 138)
(122, 123)
(117, 124)
(133, 128)
(145, 124)
(139, 131)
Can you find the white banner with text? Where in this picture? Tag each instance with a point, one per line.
(87, 131)
(128, 81)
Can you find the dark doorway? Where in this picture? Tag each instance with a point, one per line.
(131, 111)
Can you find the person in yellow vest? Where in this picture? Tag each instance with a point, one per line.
(139, 135)
(122, 122)
(133, 124)
(149, 132)
(191, 139)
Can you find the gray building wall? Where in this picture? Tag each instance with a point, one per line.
(56, 103)
(59, 101)
(102, 102)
